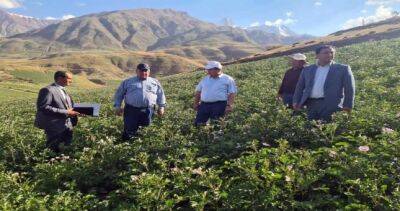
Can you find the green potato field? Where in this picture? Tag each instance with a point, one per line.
(259, 157)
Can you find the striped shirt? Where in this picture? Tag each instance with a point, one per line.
(140, 93)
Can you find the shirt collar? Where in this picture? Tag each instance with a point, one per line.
(328, 65)
(59, 86)
(219, 76)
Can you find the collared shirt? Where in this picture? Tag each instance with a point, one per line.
(62, 90)
(65, 96)
(140, 93)
(216, 89)
(319, 81)
(289, 81)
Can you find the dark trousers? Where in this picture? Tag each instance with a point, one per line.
(53, 141)
(134, 118)
(317, 109)
(213, 111)
(287, 100)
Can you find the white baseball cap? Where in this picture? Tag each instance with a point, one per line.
(212, 65)
(298, 56)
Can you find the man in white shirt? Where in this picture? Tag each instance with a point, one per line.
(215, 94)
(326, 87)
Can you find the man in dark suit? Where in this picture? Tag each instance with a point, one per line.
(325, 87)
(55, 114)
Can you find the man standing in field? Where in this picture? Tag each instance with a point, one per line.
(289, 82)
(141, 94)
(325, 87)
(215, 94)
(55, 114)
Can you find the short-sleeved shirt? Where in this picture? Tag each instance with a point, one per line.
(140, 93)
(216, 89)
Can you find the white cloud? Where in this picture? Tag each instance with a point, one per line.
(280, 22)
(364, 11)
(381, 2)
(318, 3)
(381, 13)
(9, 4)
(50, 18)
(289, 14)
(81, 4)
(66, 17)
(255, 24)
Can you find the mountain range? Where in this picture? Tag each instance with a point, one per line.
(162, 30)
(12, 24)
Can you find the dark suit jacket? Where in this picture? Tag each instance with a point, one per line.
(52, 111)
(339, 88)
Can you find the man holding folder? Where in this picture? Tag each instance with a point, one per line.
(55, 114)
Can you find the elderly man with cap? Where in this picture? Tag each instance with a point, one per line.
(215, 94)
(289, 82)
(141, 94)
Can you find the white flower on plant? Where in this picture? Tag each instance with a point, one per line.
(387, 130)
(363, 148)
(134, 178)
(288, 179)
(198, 171)
(265, 145)
(290, 167)
(332, 153)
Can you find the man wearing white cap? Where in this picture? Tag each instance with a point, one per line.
(288, 86)
(215, 94)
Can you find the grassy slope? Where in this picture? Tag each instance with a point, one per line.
(259, 158)
(28, 75)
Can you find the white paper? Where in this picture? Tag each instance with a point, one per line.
(95, 106)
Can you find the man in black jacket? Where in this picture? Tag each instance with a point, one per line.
(55, 114)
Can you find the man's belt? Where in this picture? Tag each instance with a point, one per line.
(135, 107)
(319, 98)
(221, 101)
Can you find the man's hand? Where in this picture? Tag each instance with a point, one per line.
(196, 106)
(161, 111)
(279, 97)
(296, 107)
(119, 111)
(348, 110)
(228, 109)
(72, 113)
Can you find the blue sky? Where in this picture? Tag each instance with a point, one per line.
(316, 17)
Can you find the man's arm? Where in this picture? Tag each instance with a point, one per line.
(196, 103)
(298, 93)
(280, 91)
(232, 90)
(161, 100)
(118, 98)
(349, 90)
(44, 103)
(229, 105)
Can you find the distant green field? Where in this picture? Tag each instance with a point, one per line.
(33, 76)
(260, 157)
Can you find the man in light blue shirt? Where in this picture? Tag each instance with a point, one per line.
(141, 94)
(215, 94)
(325, 87)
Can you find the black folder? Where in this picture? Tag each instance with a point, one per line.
(87, 109)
